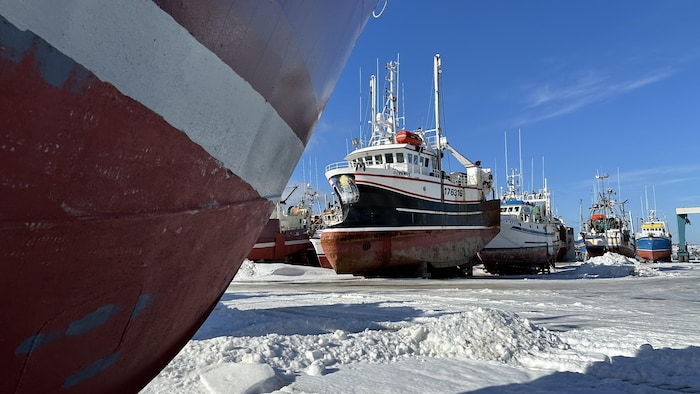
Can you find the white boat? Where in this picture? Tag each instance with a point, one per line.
(329, 217)
(607, 229)
(402, 214)
(531, 237)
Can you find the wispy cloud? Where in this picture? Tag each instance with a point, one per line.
(588, 86)
(658, 176)
(558, 98)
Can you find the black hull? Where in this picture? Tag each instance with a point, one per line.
(387, 230)
(384, 208)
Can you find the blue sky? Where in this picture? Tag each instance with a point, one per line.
(593, 86)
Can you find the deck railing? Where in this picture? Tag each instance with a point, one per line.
(337, 165)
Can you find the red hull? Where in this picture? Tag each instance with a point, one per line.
(320, 254)
(273, 245)
(324, 263)
(358, 252)
(654, 255)
(119, 231)
(109, 235)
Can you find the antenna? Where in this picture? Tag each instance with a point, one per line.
(398, 75)
(544, 182)
(303, 171)
(495, 171)
(580, 212)
(360, 105)
(520, 154)
(505, 139)
(647, 198)
(619, 188)
(373, 99)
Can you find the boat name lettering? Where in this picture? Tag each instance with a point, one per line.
(402, 173)
(454, 192)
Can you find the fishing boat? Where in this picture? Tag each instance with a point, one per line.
(608, 228)
(285, 237)
(580, 247)
(329, 217)
(401, 213)
(531, 238)
(654, 239)
(567, 247)
(144, 145)
(579, 243)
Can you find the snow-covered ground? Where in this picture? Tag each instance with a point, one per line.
(610, 325)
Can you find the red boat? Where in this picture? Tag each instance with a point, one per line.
(143, 146)
(285, 237)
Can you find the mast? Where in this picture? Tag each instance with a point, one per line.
(373, 100)
(505, 141)
(544, 180)
(393, 69)
(520, 158)
(647, 198)
(360, 105)
(605, 201)
(436, 76)
(398, 114)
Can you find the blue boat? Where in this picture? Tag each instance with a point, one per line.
(654, 240)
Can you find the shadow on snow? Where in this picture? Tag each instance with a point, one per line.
(301, 320)
(649, 371)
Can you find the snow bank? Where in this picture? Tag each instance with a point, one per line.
(612, 265)
(359, 339)
(480, 334)
(251, 271)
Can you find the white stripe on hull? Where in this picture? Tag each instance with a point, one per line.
(286, 243)
(411, 210)
(148, 56)
(402, 228)
(427, 189)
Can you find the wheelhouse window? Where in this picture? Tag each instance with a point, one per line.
(378, 159)
(389, 158)
(399, 158)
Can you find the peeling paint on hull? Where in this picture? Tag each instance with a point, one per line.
(128, 201)
(358, 252)
(272, 245)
